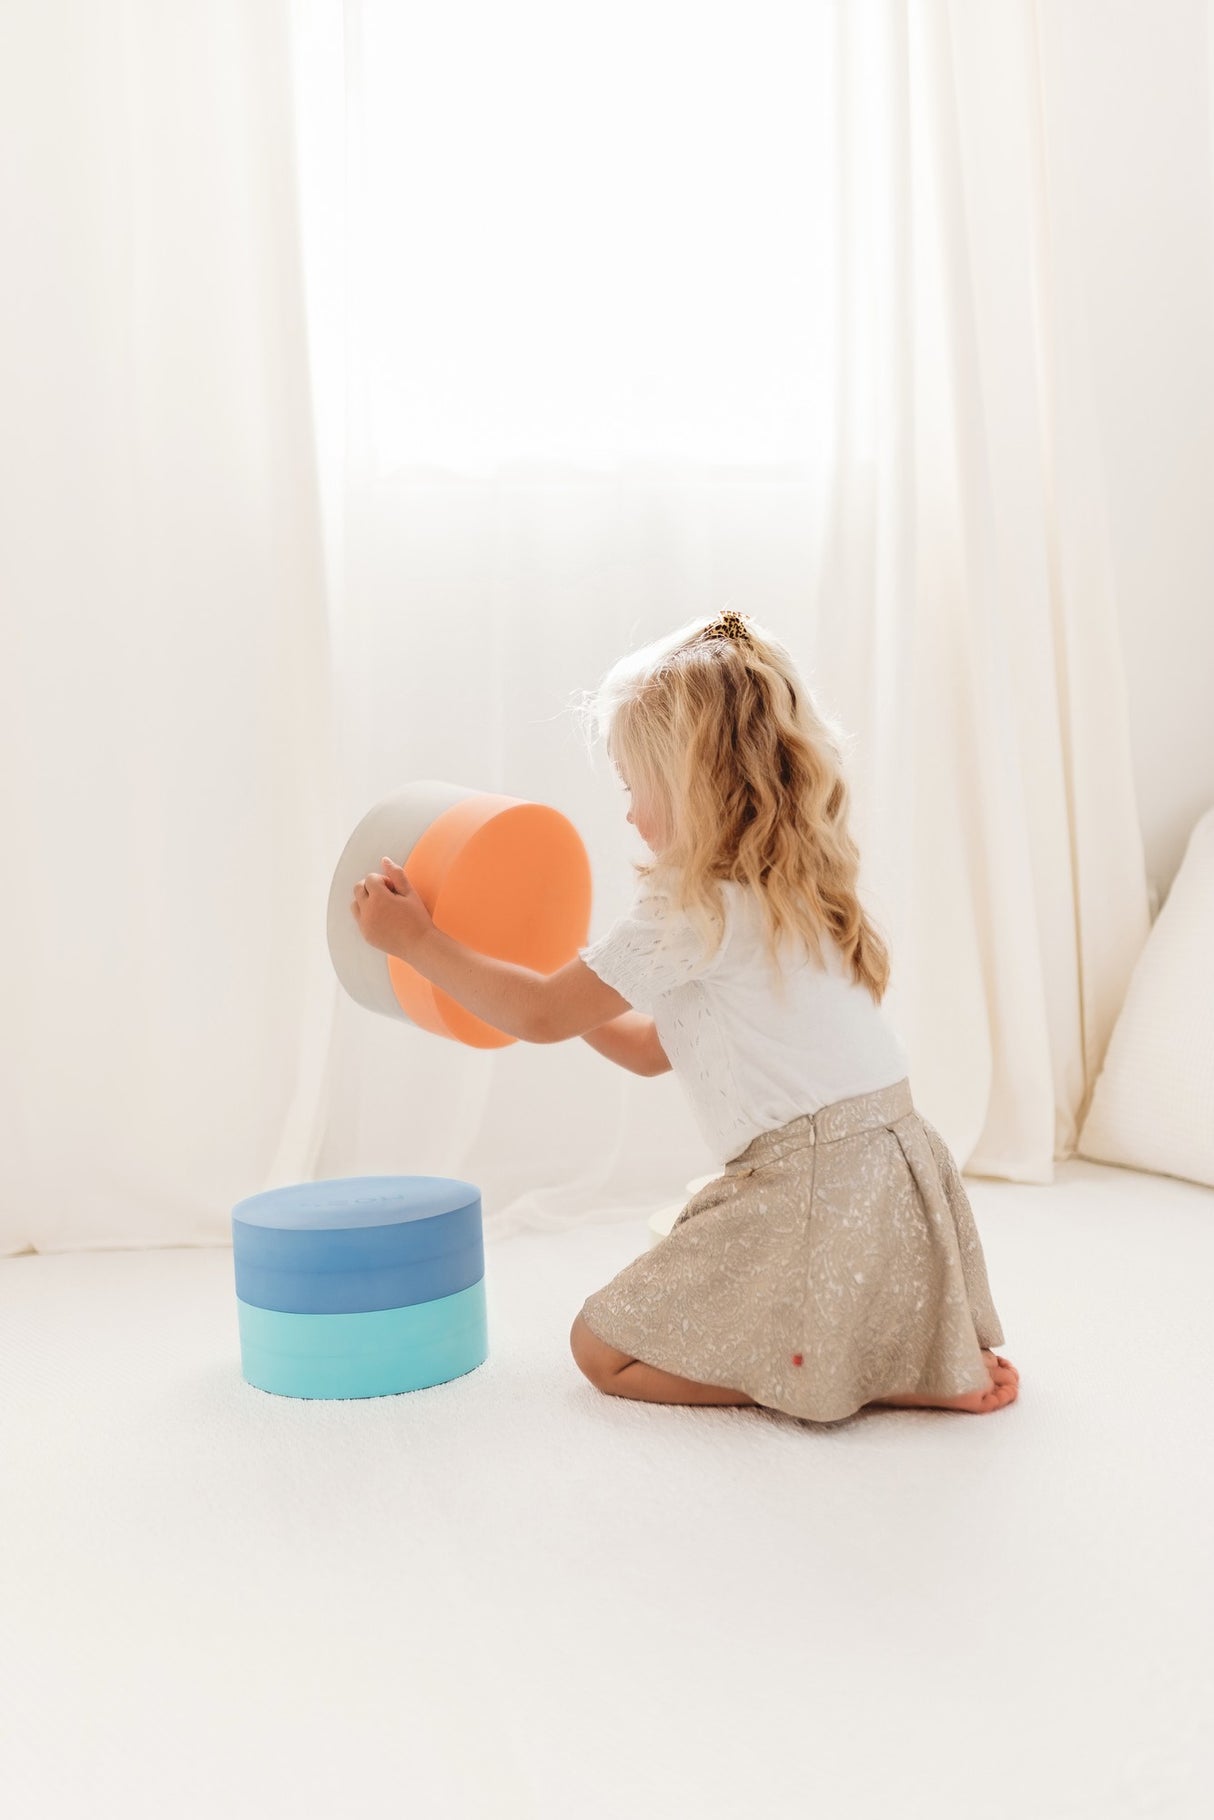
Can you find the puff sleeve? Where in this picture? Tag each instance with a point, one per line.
(649, 950)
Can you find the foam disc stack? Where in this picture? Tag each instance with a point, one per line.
(506, 877)
(360, 1286)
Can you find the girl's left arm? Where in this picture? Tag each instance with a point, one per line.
(537, 1007)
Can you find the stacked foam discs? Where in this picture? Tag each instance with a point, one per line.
(360, 1286)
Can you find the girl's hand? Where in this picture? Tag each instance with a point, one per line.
(389, 913)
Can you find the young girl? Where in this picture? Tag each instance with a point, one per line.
(834, 1262)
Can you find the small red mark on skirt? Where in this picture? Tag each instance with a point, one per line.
(796, 1358)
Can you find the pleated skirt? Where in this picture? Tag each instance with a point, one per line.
(835, 1261)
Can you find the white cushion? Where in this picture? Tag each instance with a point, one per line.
(661, 1222)
(1153, 1104)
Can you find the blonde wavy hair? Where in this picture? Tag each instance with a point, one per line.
(718, 736)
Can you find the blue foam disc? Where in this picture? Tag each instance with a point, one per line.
(353, 1244)
(373, 1354)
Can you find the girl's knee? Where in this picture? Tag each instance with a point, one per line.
(593, 1357)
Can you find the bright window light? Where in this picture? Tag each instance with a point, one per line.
(578, 233)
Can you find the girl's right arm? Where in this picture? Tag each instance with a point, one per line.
(631, 1040)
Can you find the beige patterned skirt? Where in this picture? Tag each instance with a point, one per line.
(833, 1262)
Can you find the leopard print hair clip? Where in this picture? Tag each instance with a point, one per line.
(729, 625)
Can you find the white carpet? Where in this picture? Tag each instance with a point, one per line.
(513, 1595)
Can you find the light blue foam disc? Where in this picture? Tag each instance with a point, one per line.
(350, 1244)
(372, 1354)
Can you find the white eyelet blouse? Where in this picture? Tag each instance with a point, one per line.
(749, 1056)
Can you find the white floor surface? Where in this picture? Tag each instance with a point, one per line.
(513, 1595)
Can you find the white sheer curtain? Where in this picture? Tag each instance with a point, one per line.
(167, 772)
(566, 394)
(967, 607)
(610, 320)
(791, 319)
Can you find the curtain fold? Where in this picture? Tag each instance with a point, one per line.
(241, 604)
(969, 625)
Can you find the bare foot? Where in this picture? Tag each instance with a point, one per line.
(1002, 1389)
(995, 1358)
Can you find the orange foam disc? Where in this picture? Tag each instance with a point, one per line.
(508, 878)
